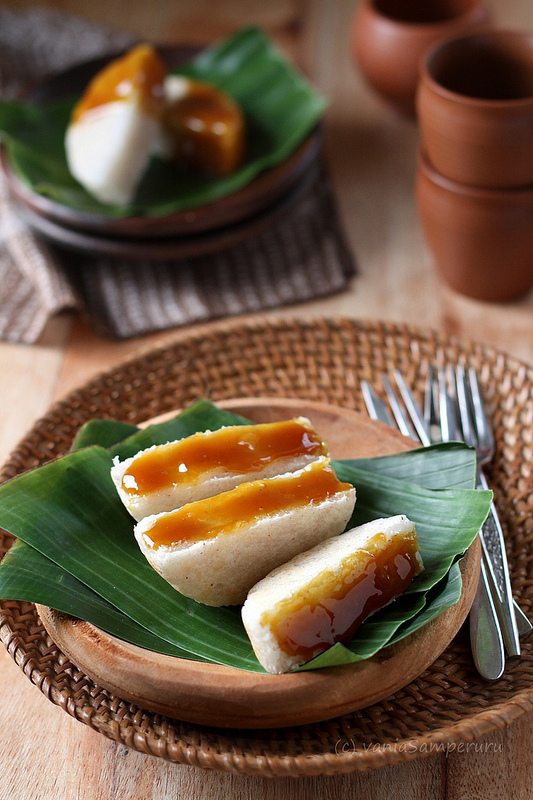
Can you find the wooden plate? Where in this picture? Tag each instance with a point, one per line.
(210, 694)
(263, 192)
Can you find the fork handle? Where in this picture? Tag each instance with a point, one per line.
(493, 544)
(485, 632)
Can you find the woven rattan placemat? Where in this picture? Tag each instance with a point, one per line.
(319, 360)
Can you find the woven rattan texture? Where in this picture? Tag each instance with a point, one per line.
(319, 360)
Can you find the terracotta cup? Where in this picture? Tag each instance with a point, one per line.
(475, 109)
(390, 37)
(481, 239)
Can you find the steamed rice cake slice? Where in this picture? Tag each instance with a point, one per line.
(165, 477)
(322, 596)
(214, 550)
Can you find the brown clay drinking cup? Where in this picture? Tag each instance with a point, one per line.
(390, 37)
(481, 239)
(475, 109)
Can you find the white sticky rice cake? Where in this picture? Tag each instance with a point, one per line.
(165, 477)
(214, 550)
(116, 126)
(322, 596)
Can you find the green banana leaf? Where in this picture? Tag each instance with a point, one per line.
(105, 432)
(281, 108)
(69, 511)
(28, 575)
(125, 440)
(454, 466)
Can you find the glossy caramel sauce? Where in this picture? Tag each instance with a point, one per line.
(140, 72)
(229, 511)
(238, 450)
(335, 603)
(207, 127)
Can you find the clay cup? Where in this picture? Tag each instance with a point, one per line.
(475, 109)
(390, 37)
(481, 239)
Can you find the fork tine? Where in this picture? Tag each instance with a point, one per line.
(377, 409)
(446, 410)
(465, 406)
(401, 418)
(431, 406)
(429, 397)
(412, 409)
(455, 418)
(484, 430)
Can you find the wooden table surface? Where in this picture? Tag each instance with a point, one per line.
(372, 156)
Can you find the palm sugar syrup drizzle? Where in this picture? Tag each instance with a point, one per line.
(207, 127)
(337, 601)
(139, 72)
(227, 512)
(236, 450)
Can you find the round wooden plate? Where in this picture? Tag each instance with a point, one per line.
(211, 694)
(259, 195)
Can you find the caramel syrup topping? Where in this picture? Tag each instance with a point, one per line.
(227, 512)
(337, 601)
(140, 72)
(208, 129)
(234, 450)
(206, 105)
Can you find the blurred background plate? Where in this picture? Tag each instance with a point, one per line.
(165, 247)
(269, 187)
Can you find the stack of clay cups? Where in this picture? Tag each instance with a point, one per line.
(474, 183)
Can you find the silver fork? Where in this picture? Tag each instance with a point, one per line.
(476, 432)
(486, 639)
(471, 424)
(439, 422)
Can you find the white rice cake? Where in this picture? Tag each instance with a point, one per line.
(214, 550)
(115, 128)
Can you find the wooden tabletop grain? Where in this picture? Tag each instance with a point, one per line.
(372, 155)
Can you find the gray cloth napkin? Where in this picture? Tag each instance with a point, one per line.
(301, 256)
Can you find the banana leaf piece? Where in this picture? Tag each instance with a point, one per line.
(104, 432)
(280, 107)
(28, 575)
(453, 467)
(124, 440)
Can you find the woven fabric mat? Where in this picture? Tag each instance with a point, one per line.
(323, 360)
(301, 256)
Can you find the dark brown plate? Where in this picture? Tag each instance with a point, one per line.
(269, 187)
(165, 248)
